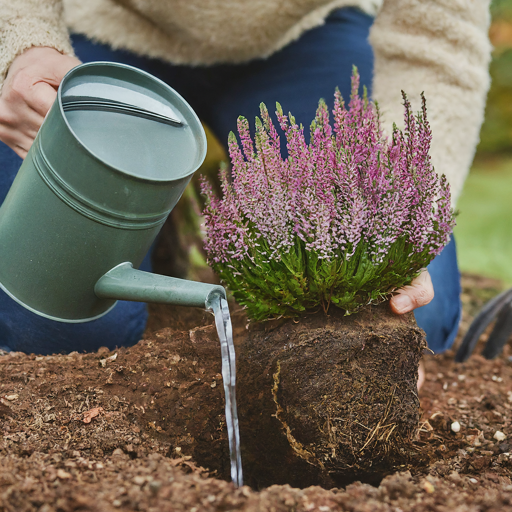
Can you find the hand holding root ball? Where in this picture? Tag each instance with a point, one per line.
(419, 293)
(415, 295)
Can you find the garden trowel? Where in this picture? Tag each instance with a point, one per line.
(500, 309)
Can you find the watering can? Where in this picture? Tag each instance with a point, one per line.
(112, 158)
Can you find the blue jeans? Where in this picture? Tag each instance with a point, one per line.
(297, 76)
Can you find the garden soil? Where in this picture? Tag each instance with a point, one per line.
(91, 431)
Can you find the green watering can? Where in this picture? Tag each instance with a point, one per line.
(111, 160)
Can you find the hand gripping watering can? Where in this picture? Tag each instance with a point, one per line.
(112, 158)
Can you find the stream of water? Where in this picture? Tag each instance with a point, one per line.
(225, 331)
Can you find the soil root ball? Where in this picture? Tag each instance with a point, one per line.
(328, 399)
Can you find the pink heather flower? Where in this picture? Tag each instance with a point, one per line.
(349, 186)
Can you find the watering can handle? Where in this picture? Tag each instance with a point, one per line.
(123, 282)
(71, 103)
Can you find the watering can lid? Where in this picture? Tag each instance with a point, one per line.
(132, 121)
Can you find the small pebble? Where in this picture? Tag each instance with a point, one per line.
(63, 475)
(455, 426)
(139, 480)
(154, 486)
(428, 487)
(499, 436)
(473, 480)
(454, 477)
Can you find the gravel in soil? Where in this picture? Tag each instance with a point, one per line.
(72, 441)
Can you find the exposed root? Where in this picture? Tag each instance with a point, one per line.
(297, 447)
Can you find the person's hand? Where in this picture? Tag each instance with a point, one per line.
(28, 93)
(419, 293)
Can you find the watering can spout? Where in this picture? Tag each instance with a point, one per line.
(123, 282)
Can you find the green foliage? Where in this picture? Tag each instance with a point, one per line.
(496, 134)
(300, 281)
(501, 9)
(484, 244)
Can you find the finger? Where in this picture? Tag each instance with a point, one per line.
(30, 123)
(31, 131)
(42, 97)
(60, 69)
(23, 144)
(419, 293)
(19, 141)
(17, 115)
(15, 139)
(20, 152)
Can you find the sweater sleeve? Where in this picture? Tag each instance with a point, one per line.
(27, 23)
(440, 47)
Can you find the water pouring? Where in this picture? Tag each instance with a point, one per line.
(111, 160)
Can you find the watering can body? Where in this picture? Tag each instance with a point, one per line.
(94, 191)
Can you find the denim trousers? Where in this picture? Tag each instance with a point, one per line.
(297, 76)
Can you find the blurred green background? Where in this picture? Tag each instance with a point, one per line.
(484, 226)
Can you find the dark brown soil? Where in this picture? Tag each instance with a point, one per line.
(91, 432)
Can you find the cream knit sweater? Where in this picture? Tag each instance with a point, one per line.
(436, 46)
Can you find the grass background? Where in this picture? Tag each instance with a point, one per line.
(484, 226)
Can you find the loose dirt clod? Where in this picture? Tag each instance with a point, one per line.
(92, 413)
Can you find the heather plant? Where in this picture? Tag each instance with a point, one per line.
(343, 220)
